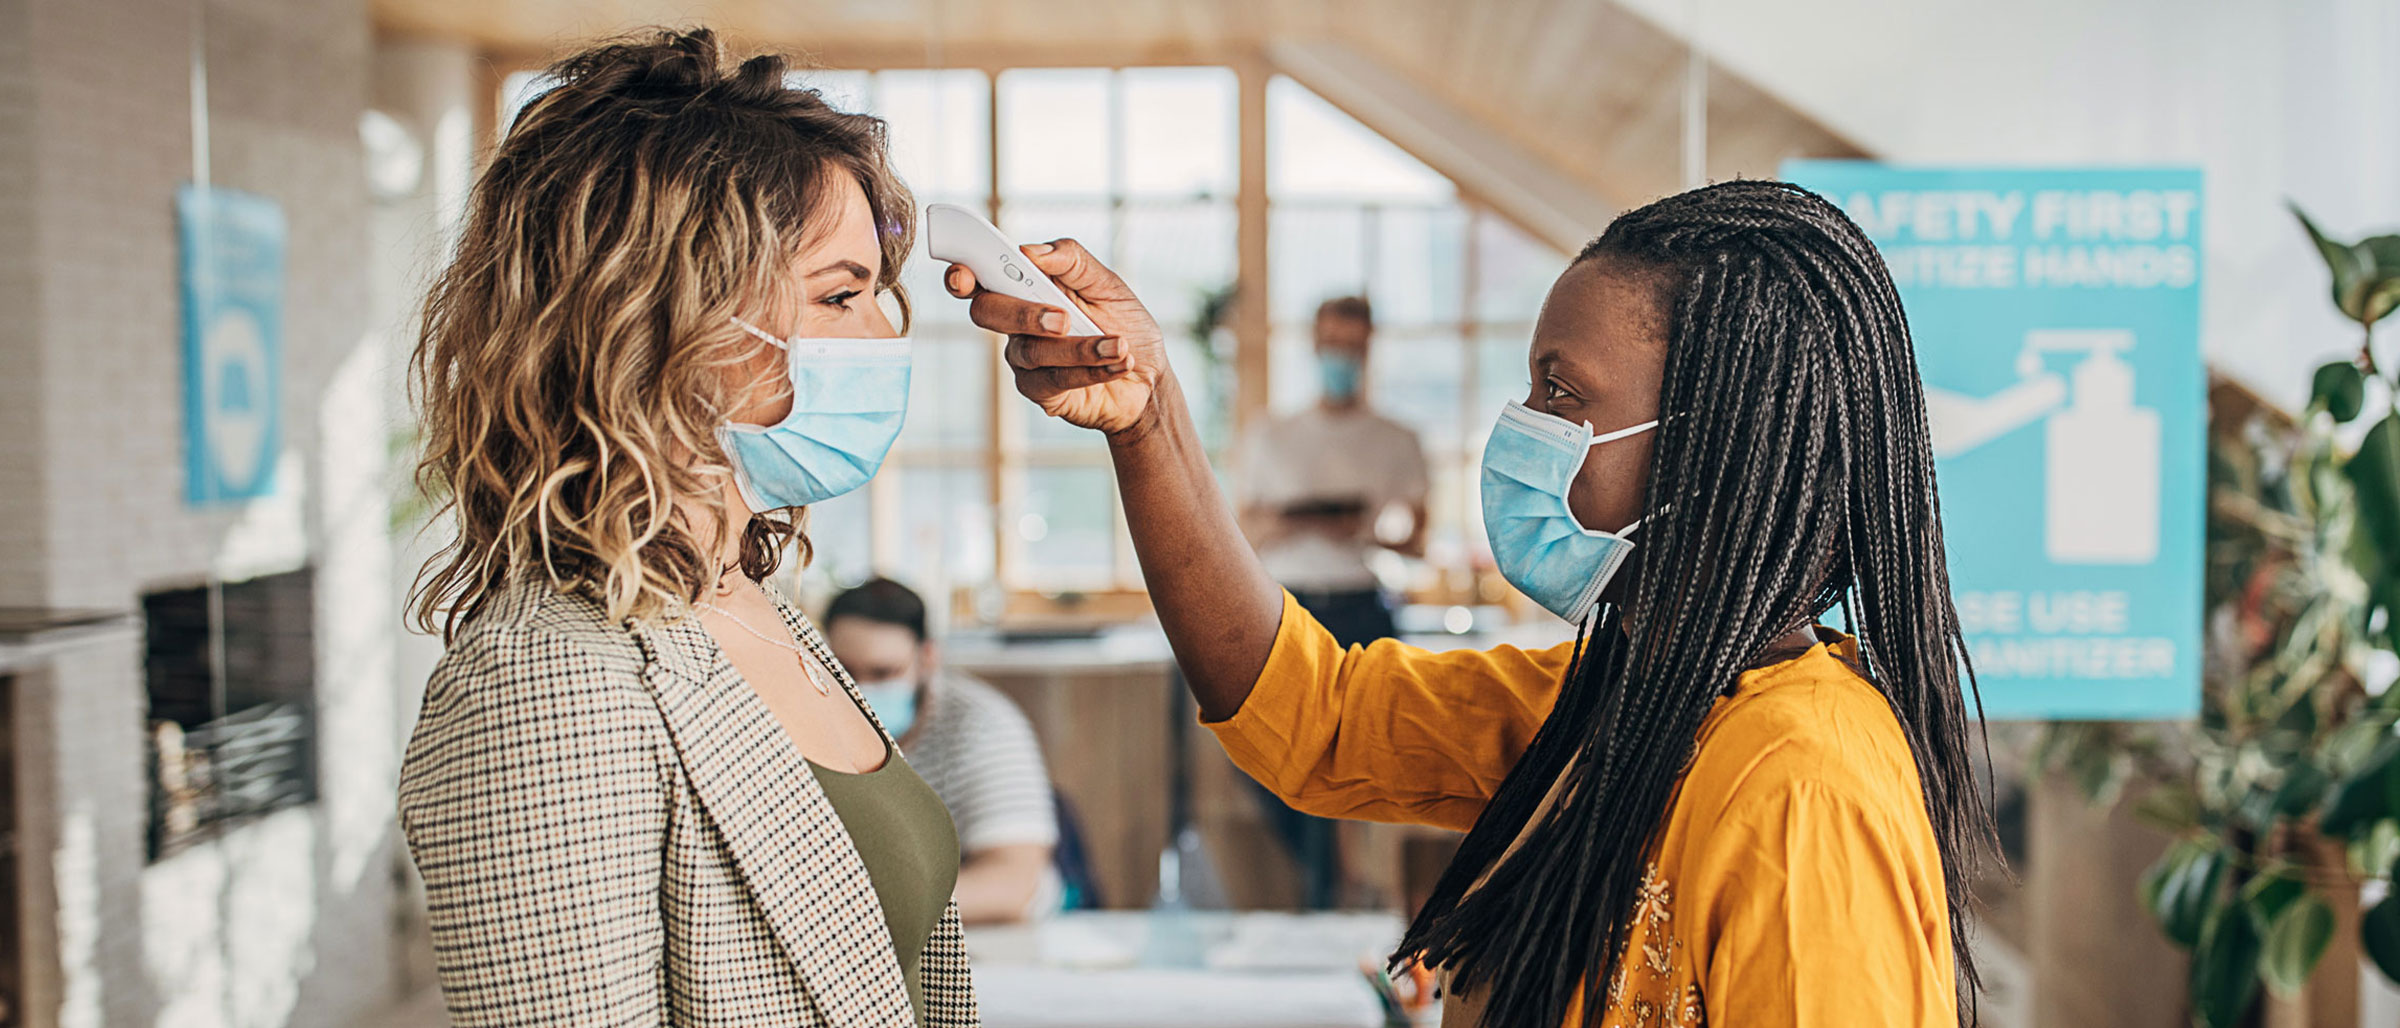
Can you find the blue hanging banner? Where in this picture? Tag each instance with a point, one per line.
(233, 267)
(2056, 315)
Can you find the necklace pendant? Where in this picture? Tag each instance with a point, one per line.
(815, 677)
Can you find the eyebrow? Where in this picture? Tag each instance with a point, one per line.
(853, 268)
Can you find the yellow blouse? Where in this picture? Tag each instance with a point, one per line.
(1796, 881)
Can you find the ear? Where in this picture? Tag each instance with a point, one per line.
(929, 658)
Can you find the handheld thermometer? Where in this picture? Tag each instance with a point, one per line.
(960, 236)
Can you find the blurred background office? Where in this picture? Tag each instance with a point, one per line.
(204, 542)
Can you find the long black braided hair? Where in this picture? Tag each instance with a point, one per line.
(1793, 471)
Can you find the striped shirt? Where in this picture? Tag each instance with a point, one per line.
(979, 753)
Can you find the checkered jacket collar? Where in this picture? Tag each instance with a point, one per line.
(785, 837)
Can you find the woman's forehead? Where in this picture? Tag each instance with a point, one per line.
(1600, 314)
(841, 228)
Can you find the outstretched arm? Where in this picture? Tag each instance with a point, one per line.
(1219, 608)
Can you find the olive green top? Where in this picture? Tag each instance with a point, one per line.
(910, 847)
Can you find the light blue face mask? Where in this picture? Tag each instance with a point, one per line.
(848, 398)
(1541, 549)
(894, 702)
(1338, 376)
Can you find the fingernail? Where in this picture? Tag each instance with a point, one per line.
(1054, 322)
(1037, 249)
(1112, 347)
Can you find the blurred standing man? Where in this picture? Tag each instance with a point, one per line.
(1315, 487)
(967, 740)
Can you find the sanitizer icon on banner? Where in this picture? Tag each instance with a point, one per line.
(2101, 453)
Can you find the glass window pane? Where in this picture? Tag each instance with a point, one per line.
(1414, 378)
(1419, 273)
(841, 540)
(1180, 131)
(1501, 375)
(1175, 255)
(1054, 131)
(1208, 377)
(1085, 221)
(1454, 513)
(1514, 270)
(950, 390)
(1292, 361)
(843, 90)
(1313, 149)
(944, 530)
(1065, 528)
(940, 130)
(931, 308)
(518, 89)
(1314, 253)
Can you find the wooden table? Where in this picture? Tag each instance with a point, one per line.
(1181, 969)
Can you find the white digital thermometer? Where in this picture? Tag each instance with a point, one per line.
(961, 236)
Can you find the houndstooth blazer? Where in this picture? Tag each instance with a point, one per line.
(614, 830)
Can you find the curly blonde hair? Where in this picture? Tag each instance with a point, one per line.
(572, 368)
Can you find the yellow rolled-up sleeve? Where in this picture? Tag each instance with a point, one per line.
(1389, 732)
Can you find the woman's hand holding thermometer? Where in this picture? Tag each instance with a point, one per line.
(1219, 608)
(1098, 371)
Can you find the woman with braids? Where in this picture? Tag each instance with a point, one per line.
(1706, 809)
(642, 790)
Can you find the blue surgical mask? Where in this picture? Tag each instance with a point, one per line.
(894, 702)
(1528, 465)
(848, 398)
(1338, 375)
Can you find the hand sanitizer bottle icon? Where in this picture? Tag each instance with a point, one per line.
(2103, 457)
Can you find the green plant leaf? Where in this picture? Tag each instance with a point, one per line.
(2366, 796)
(2294, 942)
(2225, 968)
(2172, 808)
(2381, 297)
(2269, 894)
(2349, 266)
(2303, 789)
(2188, 893)
(2380, 932)
(2341, 389)
(2380, 290)
(2154, 881)
(2374, 472)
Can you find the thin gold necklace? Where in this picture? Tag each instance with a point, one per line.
(799, 654)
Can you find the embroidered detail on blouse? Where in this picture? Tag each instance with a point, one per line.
(1651, 1000)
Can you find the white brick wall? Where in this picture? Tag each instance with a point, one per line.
(286, 921)
(22, 579)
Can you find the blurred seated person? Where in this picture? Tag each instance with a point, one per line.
(1315, 488)
(967, 740)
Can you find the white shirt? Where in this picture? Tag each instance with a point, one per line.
(979, 753)
(1320, 455)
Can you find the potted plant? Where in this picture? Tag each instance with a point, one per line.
(2284, 796)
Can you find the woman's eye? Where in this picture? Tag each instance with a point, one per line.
(1554, 392)
(840, 300)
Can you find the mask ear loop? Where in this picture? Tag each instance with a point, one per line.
(780, 344)
(1610, 437)
(1631, 430)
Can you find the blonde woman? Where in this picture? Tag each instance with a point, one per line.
(642, 791)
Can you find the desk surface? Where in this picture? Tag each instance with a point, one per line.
(1146, 969)
(1141, 648)
(32, 637)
